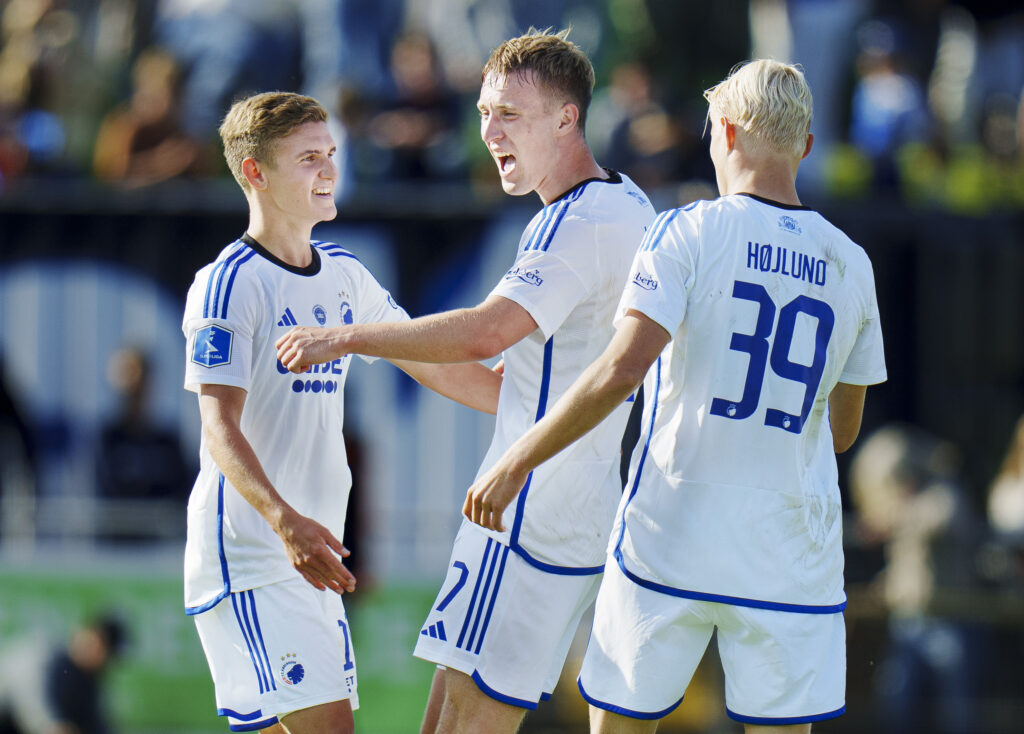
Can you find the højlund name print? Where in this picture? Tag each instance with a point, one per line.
(774, 259)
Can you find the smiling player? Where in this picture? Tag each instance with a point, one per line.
(260, 572)
(511, 602)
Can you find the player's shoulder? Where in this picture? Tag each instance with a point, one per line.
(612, 199)
(334, 251)
(223, 272)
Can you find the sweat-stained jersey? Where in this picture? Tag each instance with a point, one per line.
(572, 262)
(733, 494)
(238, 306)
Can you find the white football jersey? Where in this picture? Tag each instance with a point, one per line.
(236, 309)
(572, 261)
(733, 493)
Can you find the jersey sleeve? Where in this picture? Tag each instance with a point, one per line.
(219, 336)
(663, 271)
(551, 280)
(866, 363)
(376, 305)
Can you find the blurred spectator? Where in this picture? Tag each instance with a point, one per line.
(37, 56)
(46, 690)
(998, 58)
(137, 459)
(143, 141)
(418, 132)
(824, 44)
(888, 109)
(227, 48)
(645, 141)
(1006, 510)
(906, 493)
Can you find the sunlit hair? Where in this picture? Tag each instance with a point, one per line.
(556, 63)
(768, 99)
(253, 126)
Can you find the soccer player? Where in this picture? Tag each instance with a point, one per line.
(509, 607)
(265, 518)
(756, 325)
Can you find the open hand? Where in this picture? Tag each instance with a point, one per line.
(313, 551)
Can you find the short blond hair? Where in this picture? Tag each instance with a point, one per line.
(768, 99)
(556, 63)
(253, 126)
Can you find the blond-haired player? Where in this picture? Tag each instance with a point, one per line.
(511, 602)
(755, 323)
(263, 569)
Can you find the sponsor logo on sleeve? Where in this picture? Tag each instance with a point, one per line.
(647, 282)
(212, 347)
(639, 197)
(392, 303)
(532, 277)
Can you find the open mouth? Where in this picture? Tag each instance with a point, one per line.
(506, 164)
(322, 192)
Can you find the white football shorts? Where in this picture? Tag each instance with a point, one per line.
(503, 622)
(781, 668)
(277, 649)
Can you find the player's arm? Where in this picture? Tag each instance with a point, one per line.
(472, 384)
(845, 410)
(463, 335)
(309, 545)
(603, 386)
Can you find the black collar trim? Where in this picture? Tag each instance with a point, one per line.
(779, 204)
(613, 178)
(312, 269)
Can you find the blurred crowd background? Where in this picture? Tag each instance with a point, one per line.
(113, 192)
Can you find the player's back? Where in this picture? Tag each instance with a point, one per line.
(776, 300)
(769, 307)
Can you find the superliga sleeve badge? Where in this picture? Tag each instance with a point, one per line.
(212, 347)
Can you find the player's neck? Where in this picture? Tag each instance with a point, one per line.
(574, 165)
(772, 181)
(284, 240)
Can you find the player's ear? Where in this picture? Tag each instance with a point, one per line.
(730, 134)
(568, 119)
(253, 172)
(807, 148)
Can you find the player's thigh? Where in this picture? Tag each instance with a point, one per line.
(278, 649)
(335, 717)
(467, 709)
(503, 622)
(643, 649)
(781, 668)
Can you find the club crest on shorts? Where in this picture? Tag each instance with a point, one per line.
(292, 671)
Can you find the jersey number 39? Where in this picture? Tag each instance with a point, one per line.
(764, 349)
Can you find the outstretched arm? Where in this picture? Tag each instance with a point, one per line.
(473, 384)
(310, 546)
(607, 382)
(463, 335)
